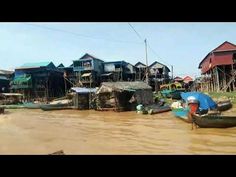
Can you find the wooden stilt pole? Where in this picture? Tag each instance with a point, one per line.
(224, 83)
(65, 84)
(232, 66)
(217, 79)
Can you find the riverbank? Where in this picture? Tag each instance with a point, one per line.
(217, 96)
(25, 131)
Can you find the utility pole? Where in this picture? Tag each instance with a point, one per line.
(145, 41)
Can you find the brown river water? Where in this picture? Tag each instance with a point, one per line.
(25, 131)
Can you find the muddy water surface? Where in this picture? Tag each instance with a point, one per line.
(25, 131)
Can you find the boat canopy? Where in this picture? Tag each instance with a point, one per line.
(205, 101)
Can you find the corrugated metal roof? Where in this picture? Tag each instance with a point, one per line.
(3, 78)
(115, 62)
(86, 74)
(177, 78)
(226, 46)
(139, 63)
(6, 72)
(83, 89)
(35, 65)
(61, 66)
(137, 85)
(187, 79)
(162, 65)
(106, 74)
(87, 55)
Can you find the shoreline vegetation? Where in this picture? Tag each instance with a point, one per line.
(219, 96)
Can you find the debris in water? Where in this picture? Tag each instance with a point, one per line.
(61, 152)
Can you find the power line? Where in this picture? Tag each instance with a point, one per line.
(148, 45)
(136, 32)
(79, 35)
(157, 55)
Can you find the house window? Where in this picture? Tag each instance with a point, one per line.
(87, 64)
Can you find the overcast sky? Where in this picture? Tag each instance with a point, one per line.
(182, 45)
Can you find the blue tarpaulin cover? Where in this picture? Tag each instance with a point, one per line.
(205, 101)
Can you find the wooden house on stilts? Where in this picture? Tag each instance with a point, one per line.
(38, 81)
(218, 69)
(5, 78)
(88, 70)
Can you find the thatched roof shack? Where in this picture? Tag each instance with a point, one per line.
(82, 97)
(123, 96)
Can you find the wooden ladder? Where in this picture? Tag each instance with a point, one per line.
(230, 81)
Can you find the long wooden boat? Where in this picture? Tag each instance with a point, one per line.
(214, 121)
(32, 105)
(159, 109)
(50, 107)
(224, 106)
(13, 106)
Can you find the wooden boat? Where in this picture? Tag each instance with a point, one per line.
(32, 105)
(177, 94)
(166, 93)
(13, 106)
(183, 114)
(224, 105)
(214, 121)
(50, 107)
(159, 109)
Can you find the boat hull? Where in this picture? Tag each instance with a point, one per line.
(214, 121)
(224, 106)
(159, 110)
(32, 106)
(12, 106)
(182, 114)
(50, 107)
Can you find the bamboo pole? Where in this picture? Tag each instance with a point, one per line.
(65, 85)
(217, 79)
(232, 66)
(225, 78)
